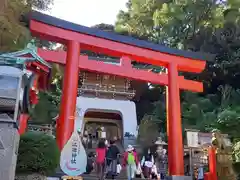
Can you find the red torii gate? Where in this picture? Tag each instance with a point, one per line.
(77, 37)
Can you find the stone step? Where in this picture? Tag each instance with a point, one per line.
(86, 178)
(89, 177)
(93, 175)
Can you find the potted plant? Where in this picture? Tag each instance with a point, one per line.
(38, 156)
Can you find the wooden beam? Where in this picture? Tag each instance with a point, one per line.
(125, 70)
(113, 48)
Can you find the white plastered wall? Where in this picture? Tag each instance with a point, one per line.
(127, 109)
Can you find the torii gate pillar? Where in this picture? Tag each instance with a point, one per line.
(65, 123)
(175, 141)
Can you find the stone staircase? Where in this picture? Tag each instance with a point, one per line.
(93, 175)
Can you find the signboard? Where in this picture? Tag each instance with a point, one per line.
(73, 160)
(192, 139)
(103, 135)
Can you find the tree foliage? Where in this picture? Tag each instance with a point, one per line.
(13, 33)
(209, 26)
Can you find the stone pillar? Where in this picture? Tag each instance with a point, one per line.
(9, 140)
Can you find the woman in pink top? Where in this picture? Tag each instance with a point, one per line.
(100, 159)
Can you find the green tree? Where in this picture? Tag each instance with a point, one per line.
(208, 26)
(167, 21)
(199, 112)
(13, 33)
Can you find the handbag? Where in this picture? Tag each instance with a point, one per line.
(138, 169)
(154, 169)
(119, 168)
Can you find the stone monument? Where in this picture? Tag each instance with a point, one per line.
(225, 169)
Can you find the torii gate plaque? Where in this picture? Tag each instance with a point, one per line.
(77, 38)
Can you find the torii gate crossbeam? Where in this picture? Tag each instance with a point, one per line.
(124, 70)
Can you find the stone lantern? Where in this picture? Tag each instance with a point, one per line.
(160, 145)
(161, 158)
(11, 95)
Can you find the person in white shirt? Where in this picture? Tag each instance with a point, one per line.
(147, 163)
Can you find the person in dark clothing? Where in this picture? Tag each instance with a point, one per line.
(112, 159)
(90, 163)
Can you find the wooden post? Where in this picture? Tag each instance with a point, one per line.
(207, 176)
(212, 163)
(65, 124)
(23, 123)
(175, 141)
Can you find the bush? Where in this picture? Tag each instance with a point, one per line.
(38, 153)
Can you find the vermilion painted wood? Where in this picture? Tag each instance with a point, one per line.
(40, 66)
(65, 123)
(43, 76)
(175, 142)
(23, 123)
(114, 48)
(212, 163)
(125, 70)
(207, 176)
(40, 69)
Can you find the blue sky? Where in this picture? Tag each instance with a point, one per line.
(88, 12)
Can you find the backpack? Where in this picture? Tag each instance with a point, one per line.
(130, 158)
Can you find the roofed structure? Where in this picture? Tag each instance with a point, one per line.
(29, 60)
